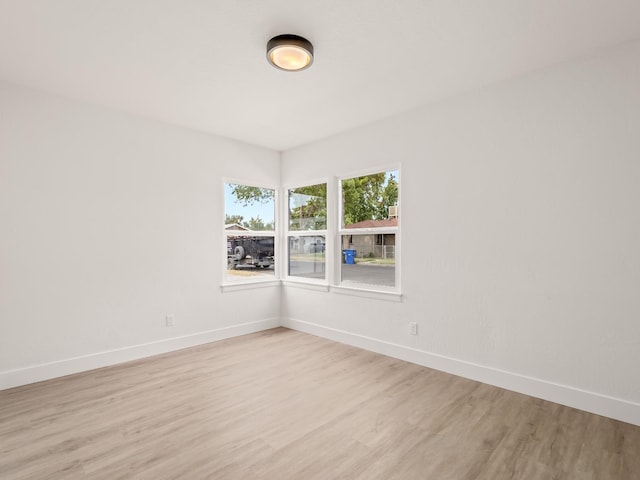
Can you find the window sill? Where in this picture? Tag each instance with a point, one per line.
(318, 287)
(386, 295)
(235, 287)
(368, 293)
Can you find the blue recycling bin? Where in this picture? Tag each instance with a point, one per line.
(349, 257)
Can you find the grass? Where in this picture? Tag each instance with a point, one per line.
(310, 257)
(245, 272)
(376, 261)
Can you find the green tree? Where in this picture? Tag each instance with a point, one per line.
(230, 219)
(247, 195)
(368, 197)
(250, 195)
(308, 207)
(256, 223)
(389, 196)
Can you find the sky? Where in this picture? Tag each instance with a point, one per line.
(233, 207)
(265, 211)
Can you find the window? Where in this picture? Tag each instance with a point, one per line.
(369, 231)
(363, 244)
(250, 233)
(306, 233)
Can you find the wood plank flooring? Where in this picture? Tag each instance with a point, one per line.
(283, 405)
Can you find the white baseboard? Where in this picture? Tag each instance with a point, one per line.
(611, 407)
(37, 373)
(615, 408)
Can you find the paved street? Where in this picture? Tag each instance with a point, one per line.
(306, 269)
(371, 274)
(359, 273)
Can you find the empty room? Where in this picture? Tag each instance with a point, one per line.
(320, 240)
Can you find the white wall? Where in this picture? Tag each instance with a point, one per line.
(109, 222)
(520, 234)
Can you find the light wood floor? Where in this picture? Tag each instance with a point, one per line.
(282, 405)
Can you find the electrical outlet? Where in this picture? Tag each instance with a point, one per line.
(170, 320)
(413, 328)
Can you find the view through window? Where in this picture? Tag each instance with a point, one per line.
(367, 236)
(307, 231)
(369, 227)
(250, 233)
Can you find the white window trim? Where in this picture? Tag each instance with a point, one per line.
(293, 279)
(249, 285)
(376, 291)
(362, 289)
(257, 283)
(306, 283)
(333, 240)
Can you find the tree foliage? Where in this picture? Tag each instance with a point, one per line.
(231, 219)
(368, 197)
(257, 224)
(248, 195)
(389, 196)
(363, 198)
(308, 207)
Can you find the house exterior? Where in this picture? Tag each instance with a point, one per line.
(374, 245)
(236, 226)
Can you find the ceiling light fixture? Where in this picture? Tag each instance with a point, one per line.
(290, 52)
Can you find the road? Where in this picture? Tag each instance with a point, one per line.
(306, 269)
(371, 274)
(359, 273)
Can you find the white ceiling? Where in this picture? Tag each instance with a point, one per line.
(201, 63)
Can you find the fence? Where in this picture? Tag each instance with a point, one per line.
(375, 251)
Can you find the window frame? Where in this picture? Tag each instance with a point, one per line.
(378, 291)
(288, 234)
(259, 282)
(333, 239)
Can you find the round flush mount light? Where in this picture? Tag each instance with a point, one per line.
(290, 52)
